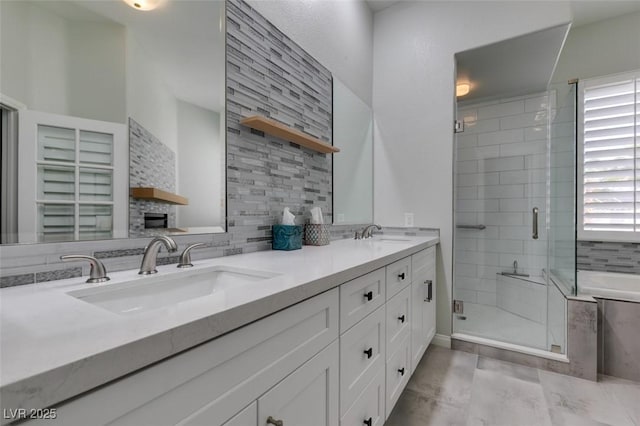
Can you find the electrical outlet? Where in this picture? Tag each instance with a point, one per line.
(340, 217)
(408, 219)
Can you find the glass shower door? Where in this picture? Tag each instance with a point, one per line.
(501, 243)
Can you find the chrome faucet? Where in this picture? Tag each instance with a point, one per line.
(185, 257)
(97, 273)
(150, 256)
(366, 232)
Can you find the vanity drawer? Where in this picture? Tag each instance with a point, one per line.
(398, 318)
(362, 350)
(213, 382)
(369, 405)
(423, 260)
(398, 373)
(246, 417)
(360, 297)
(398, 276)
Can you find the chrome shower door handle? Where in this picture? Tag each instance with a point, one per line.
(535, 223)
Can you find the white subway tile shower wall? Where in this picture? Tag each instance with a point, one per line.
(501, 161)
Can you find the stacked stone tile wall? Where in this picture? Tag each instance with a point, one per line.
(608, 256)
(152, 164)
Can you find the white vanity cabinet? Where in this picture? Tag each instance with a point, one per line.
(215, 382)
(423, 303)
(342, 357)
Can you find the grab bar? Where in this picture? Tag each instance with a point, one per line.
(535, 223)
(471, 226)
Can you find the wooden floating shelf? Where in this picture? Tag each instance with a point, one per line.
(283, 131)
(158, 195)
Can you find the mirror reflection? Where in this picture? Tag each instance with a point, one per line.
(112, 119)
(353, 168)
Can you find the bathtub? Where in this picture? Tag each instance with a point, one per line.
(609, 285)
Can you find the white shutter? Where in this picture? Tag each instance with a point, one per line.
(609, 156)
(73, 179)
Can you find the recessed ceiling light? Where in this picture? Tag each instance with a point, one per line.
(143, 4)
(462, 89)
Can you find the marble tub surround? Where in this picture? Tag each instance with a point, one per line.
(55, 346)
(451, 387)
(618, 343)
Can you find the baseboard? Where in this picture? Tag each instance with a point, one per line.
(442, 340)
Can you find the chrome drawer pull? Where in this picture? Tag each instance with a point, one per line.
(274, 422)
(429, 284)
(368, 353)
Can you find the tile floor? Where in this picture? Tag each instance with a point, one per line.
(458, 388)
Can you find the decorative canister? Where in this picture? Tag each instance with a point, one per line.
(316, 235)
(287, 237)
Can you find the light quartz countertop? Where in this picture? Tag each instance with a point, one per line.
(54, 346)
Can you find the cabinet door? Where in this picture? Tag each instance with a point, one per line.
(418, 343)
(308, 396)
(246, 417)
(429, 305)
(423, 303)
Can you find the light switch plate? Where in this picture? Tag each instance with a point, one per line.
(408, 219)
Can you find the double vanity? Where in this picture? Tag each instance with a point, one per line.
(324, 335)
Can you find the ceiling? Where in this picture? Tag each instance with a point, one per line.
(511, 67)
(583, 11)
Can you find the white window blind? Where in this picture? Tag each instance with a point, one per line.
(610, 157)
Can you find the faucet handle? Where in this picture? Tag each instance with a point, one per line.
(185, 257)
(97, 273)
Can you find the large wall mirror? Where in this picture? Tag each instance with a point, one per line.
(353, 167)
(112, 119)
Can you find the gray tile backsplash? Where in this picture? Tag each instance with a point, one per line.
(608, 256)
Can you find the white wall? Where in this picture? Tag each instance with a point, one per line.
(47, 59)
(200, 157)
(34, 46)
(606, 47)
(149, 100)
(336, 33)
(97, 70)
(413, 103)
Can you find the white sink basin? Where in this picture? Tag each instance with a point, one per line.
(157, 291)
(391, 240)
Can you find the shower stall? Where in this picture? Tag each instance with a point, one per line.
(514, 212)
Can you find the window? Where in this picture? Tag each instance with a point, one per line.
(71, 187)
(609, 158)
